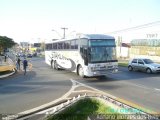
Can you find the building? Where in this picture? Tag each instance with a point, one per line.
(143, 41)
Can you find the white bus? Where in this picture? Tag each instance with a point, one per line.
(86, 54)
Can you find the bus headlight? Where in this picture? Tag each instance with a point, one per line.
(92, 68)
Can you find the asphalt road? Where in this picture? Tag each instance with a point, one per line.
(42, 85)
(139, 88)
(19, 93)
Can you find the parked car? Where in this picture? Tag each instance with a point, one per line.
(20, 55)
(34, 54)
(143, 64)
(29, 55)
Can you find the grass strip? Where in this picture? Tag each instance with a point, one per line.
(123, 64)
(84, 108)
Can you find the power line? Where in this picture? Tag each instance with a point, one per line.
(137, 27)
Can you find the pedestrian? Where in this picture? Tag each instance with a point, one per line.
(5, 58)
(25, 64)
(0, 59)
(18, 63)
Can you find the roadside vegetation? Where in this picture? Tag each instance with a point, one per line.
(123, 63)
(84, 108)
(6, 42)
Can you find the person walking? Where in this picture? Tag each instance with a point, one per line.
(5, 58)
(18, 63)
(25, 64)
(0, 60)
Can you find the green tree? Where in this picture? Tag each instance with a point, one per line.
(5, 43)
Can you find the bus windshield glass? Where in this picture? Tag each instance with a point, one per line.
(102, 51)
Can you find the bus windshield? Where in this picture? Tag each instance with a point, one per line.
(102, 51)
(102, 54)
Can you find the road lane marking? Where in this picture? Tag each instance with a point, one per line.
(75, 84)
(50, 103)
(82, 84)
(156, 89)
(142, 86)
(124, 101)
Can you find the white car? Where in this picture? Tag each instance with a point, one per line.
(143, 64)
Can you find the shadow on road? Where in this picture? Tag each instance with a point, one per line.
(20, 83)
(121, 75)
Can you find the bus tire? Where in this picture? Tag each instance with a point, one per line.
(52, 64)
(80, 71)
(55, 65)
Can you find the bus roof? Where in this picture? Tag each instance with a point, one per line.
(87, 36)
(96, 36)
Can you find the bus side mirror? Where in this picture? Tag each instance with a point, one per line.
(82, 52)
(85, 57)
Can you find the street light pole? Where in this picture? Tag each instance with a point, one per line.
(64, 32)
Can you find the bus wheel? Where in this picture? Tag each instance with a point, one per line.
(52, 66)
(55, 66)
(80, 71)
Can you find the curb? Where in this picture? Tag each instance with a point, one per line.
(7, 75)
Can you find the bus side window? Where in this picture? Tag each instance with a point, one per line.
(73, 44)
(84, 42)
(54, 45)
(60, 45)
(49, 46)
(76, 44)
(69, 45)
(65, 45)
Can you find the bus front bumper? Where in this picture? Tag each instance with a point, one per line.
(101, 72)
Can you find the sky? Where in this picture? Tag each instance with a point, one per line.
(38, 20)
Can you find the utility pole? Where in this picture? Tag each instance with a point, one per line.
(64, 32)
